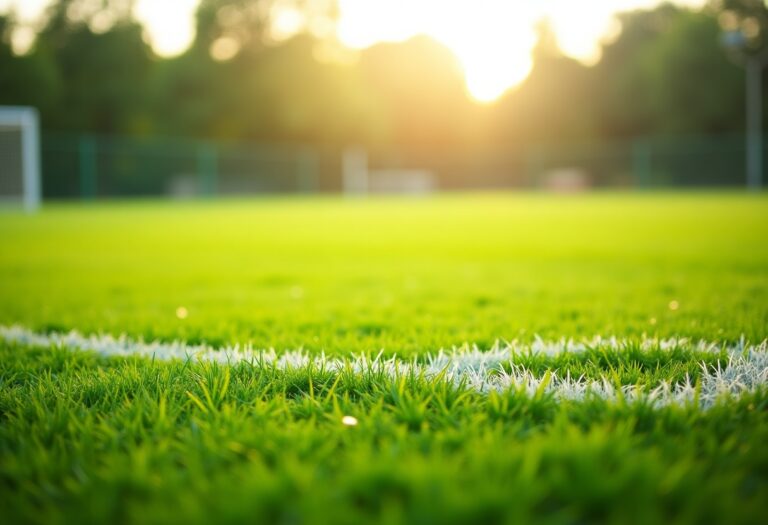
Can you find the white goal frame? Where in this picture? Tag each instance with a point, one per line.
(28, 121)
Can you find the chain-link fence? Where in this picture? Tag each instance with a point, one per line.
(83, 166)
(87, 166)
(654, 162)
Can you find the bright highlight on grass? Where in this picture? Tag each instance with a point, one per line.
(349, 421)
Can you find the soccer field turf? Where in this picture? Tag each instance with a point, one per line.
(627, 430)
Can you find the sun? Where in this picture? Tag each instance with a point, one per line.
(171, 32)
(491, 64)
(491, 39)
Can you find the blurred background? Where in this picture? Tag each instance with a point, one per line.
(190, 98)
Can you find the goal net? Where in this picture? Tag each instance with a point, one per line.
(20, 157)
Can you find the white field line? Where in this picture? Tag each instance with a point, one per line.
(483, 371)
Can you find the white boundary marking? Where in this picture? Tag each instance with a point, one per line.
(746, 371)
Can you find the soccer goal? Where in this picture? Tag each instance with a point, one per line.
(20, 157)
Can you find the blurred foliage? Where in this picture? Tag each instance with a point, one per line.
(556, 102)
(420, 90)
(667, 73)
(90, 69)
(749, 18)
(26, 80)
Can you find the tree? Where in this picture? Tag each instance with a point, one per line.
(749, 18)
(651, 79)
(674, 68)
(553, 104)
(25, 80)
(420, 88)
(247, 25)
(103, 69)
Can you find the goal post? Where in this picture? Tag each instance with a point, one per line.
(20, 157)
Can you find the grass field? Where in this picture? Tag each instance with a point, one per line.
(666, 423)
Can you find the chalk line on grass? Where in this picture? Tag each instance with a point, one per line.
(484, 371)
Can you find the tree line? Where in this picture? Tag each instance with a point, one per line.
(665, 73)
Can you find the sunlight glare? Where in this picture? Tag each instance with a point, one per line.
(493, 47)
(492, 42)
(349, 421)
(224, 48)
(492, 39)
(170, 25)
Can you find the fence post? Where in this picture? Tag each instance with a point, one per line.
(533, 166)
(87, 165)
(641, 162)
(354, 167)
(207, 168)
(307, 171)
(754, 124)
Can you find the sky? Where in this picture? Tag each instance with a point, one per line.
(492, 39)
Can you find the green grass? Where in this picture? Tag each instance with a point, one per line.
(125, 440)
(88, 439)
(402, 275)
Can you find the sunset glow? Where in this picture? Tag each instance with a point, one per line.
(492, 43)
(492, 39)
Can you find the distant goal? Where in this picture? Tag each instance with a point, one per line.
(20, 157)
